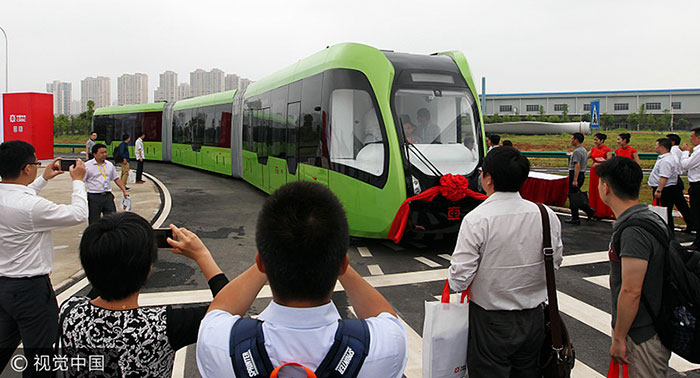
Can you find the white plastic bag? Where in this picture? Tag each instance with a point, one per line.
(132, 177)
(661, 211)
(126, 203)
(445, 336)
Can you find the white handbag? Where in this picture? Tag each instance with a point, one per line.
(445, 337)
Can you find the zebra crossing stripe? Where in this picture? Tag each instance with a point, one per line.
(364, 251)
(427, 262)
(375, 270)
(179, 363)
(446, 256)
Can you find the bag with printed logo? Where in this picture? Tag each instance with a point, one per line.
(445, 337)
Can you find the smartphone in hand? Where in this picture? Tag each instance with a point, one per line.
(161, 236)
(66, 164)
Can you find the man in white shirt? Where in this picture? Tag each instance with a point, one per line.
(28, 308)
(99, 176)
(691, 163)
(664, 177)
(679, 198)
(499, 256)
(138, 151)
(302, 241)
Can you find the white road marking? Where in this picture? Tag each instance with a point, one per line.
(603, 280)
(364, 252)
(59, 247)
(600, 320)
(80, 285)
(414, 366)
(167, 201)
(375, 270)
(179, 363)
(446, 256)
(585, 258)
(427, 262)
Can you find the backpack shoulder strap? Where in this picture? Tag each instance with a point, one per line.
(662, 235)
(247, 349)
(348, 352)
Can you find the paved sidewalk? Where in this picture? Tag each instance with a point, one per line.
(145, 201)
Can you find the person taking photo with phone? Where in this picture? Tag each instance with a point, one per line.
(28, 307)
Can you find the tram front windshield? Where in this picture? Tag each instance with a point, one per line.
(441, 125)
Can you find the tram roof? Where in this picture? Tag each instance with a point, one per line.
(344, 55)
(207, 100)
(126, 109)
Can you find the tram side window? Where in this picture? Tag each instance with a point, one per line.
(247, 131)
(152, 122)
(224, 119)
(356, 139)
(211, 127)
(309, 136)
(277, 123)
(199, 121)
(293, 110)
(100, 125)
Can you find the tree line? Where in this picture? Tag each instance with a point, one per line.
(640, 120)
(74, 125)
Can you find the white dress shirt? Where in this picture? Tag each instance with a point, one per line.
(26, 244)
(302, 335)
(665, 166)
(691, 163)
(499, 253)
(138, 149)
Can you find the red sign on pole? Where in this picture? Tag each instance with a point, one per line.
(29, 117)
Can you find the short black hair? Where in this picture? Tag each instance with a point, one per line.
(664, 142)
(302, 238)
(494, 138)
(508, 168)
(696, 130)
(626, 137)
(601, 136)
(117, 253)
(125, 136)
(97, 146)
(14, 156)
(623, 175)
(675, 139)
(507, 143)
(578, 137)
(423, 113)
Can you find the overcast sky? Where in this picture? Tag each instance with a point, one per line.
(519, 45)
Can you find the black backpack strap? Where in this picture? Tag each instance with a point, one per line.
(348, 352)
(663, 236)
(247, 349)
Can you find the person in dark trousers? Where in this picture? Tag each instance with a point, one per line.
(577, 176)
(679, 198)
(138, 151)
(499, 256)
(99, 177)
(28, 307)
(664, 177)
(691, 163)
(636, 270)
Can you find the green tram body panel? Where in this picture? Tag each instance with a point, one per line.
(214, 159)
(370, 210)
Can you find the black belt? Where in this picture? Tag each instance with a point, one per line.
(100, 194)
(24, 278)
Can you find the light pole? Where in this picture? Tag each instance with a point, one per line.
(7, 54)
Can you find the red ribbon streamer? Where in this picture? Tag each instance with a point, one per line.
(452, 187)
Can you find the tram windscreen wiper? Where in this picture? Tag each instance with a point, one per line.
(423, 159)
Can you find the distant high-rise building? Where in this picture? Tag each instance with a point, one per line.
(243, 83)
(167, 91)
(75, 107)
(96, 89)
(232, 81)
(204, 83)
(132, 89)
(183, 91)
(62, 96)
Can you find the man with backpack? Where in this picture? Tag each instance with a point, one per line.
(302, 240)
(637, 260)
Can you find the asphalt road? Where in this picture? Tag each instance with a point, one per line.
(223, 212)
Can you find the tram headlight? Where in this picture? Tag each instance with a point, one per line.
(416, 185)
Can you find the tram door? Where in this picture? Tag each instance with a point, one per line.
(293, 110)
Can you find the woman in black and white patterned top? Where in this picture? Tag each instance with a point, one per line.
(117, 254)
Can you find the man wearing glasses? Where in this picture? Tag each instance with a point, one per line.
(28, 308)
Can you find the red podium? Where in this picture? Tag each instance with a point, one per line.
(29, 117)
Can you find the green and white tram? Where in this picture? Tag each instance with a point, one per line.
(376, 127)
